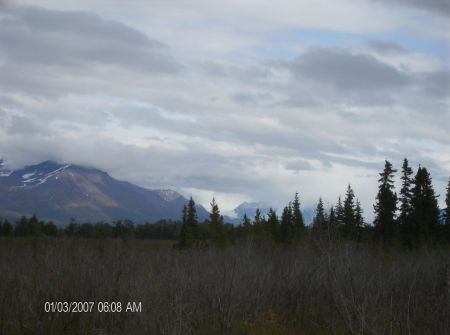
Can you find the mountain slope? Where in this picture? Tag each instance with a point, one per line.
(60, 192)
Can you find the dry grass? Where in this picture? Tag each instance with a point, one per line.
(244, 289)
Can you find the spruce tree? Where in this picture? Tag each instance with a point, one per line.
(359, 220)
(297, 218)
(339, 213)
(258, 221)
(332, 222)
(386, 206)
(216, 225)
(7, 228)
(405, 192)
(272, 225)
(188, 233)
(447, 214)
(319, 221)
(246, 225)
(286, 227)
(425, 210)
(349, 227)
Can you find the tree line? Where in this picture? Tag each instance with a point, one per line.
(411, 218)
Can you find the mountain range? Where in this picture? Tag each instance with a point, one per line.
(60, 192)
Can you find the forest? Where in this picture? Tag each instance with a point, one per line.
(271, 274)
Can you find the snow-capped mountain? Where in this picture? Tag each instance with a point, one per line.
(61, 191)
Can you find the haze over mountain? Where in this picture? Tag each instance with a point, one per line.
(60, 192)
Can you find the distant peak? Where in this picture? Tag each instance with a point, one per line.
(168, 194)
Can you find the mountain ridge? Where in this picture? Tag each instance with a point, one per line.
(62, 191)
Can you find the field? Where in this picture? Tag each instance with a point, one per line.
(249, 288)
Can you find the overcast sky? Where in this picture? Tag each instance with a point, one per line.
(246, 100)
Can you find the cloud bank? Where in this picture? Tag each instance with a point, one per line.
(207, 101)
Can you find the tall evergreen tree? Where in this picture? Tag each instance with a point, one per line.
(297, 218)
(386, 206)
(7, 228)
(216, 224)
(188, 233)
(425, 210)
(332, 217)
(287, 224)
(339, 213)
(349, 227)
(319, 226)
(258, 222)
(405, 192)
(359, 220)
(447, 214)
(273, 224)
(406, 202)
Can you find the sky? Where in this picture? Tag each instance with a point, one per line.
(243, 100)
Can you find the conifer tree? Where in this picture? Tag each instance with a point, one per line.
(297, 218)
(332, 223)
(246, 225)
(272, 225)
(425, 210)
(405, 201)
(319, 221)
(447, 214)
(188, 233)
(339, 212)
(23, 227)
(258, 222)
(332, 217)
(7, 228)
(216, 225)
(286, 228)
(386, 206)
(405, 192)
(349, 228)
(359, 220)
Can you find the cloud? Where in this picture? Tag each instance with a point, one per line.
(41, 46)
(346, 71)
(203, 98)
(386, 47)
(441, 7)
(436, 83)
(298, 165)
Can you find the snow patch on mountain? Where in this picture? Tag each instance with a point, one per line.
(27, 176)
(3, 171)
(168, 195)
(37, 177)
(52, 174)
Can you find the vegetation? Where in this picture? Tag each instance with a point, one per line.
(246, 289)
(268, 275)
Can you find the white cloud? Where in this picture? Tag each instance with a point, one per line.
(180, 95)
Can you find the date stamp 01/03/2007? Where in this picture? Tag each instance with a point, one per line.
(92, 306)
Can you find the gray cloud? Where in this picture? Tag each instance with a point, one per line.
(298, 165)
(48, 44)
(347, 71)
(386, 47)
(97, 92)
(436, 83)
(441, 7)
